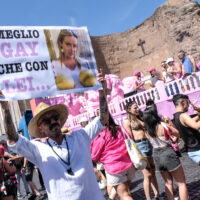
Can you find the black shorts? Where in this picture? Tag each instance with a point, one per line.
(29, 171)
(166, 159)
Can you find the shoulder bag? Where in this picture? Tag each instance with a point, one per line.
(137, 159)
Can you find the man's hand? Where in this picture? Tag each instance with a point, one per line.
(196, 108)
(23, 170)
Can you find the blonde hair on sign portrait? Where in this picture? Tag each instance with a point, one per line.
(54, 35)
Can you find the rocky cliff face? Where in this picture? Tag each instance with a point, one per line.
(174, 26)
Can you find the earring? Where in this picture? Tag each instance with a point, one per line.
(62, 50)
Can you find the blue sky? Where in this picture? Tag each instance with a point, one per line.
(100, 16)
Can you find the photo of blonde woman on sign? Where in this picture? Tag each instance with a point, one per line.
(72, 63)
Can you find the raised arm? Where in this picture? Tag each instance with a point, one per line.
(8, 123)
(94, 128)
(104, 114)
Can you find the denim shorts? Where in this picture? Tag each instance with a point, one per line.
(144, 147)
(165, 159)
(116, 179)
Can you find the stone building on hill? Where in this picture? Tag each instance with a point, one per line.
(174, 26)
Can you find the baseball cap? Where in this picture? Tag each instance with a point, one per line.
(169, 60)
(152, 69)
(136, 72)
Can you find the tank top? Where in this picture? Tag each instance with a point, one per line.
(160, 141)
(190, 136)
(187, 65)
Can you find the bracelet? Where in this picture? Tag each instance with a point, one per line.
(23, 167)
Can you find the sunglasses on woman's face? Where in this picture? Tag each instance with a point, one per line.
(47, 120)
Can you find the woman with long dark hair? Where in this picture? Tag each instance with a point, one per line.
(134, 126)
(109, 148)
(166, 160)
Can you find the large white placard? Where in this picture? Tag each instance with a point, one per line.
(45, 61)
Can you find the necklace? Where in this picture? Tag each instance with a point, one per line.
(69, 170)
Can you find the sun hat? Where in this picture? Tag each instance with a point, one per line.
(2, 150)
(152, 69)
(137, 72)
(169, 60)
(40, 110)
(84, 119)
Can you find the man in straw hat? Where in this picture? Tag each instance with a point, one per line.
(64, 160)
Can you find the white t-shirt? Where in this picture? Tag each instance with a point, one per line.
(167, 77)
(58, 183)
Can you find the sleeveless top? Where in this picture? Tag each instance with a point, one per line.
(136, 126)
(160, 141)
(187, 65)
(190, 136)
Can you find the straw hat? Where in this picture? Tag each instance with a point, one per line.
(40, 110)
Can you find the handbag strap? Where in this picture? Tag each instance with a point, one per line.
(125, 134)
(168, 132)
(166, 128)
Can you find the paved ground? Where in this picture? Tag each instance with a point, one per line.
(192, 172)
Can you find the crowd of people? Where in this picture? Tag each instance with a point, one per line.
(68, 162)
(18, 168)
(168, 71)
(157, 139)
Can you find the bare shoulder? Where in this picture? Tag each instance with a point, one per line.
(126, 123)
(178, 64)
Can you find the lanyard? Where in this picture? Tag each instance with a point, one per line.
(65, 162)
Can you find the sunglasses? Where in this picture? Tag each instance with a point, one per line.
(47, 120)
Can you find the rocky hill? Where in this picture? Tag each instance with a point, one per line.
(174, 26)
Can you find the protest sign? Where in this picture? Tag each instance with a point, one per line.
(45, 61)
